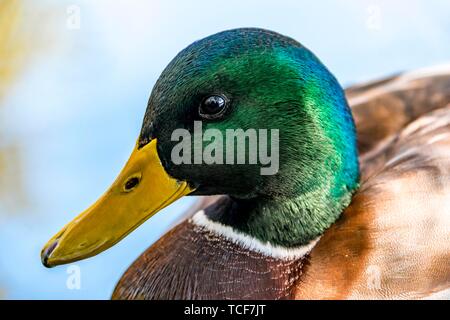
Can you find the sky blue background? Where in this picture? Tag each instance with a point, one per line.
(76, 109)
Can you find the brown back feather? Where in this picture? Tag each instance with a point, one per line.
(392, 241)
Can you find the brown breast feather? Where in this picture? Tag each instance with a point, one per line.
(190, 262)
(392, 241)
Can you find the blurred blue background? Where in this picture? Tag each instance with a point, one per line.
(75, 77)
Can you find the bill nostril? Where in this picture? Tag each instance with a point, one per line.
(131, 183)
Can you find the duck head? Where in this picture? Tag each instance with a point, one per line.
(271, 88)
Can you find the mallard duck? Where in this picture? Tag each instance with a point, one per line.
(354, 212)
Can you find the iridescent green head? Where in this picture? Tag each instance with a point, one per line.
(265, 81)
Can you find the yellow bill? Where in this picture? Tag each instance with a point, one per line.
(141, 189)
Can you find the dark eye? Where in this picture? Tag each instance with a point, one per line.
(213, 106)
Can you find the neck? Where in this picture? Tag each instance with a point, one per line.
(289, 223)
